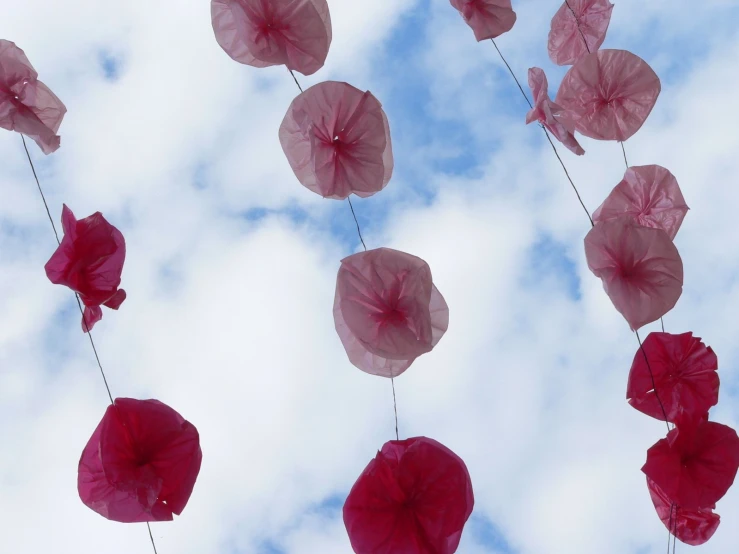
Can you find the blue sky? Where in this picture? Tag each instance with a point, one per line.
(231, 269)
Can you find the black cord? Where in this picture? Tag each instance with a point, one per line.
(77, 297)
(395, 408)
(556, 153)
(295, 79)
(359, 231)
(577, 22)
(624, 151)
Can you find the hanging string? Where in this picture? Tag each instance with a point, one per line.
(641, 347)
(361, 239)
(151, 537)
(577, 22)
(77, 297)
(669, 527)
(295, 79)
(395, 408)
(556, 153)
(624, 151)
(56, 235)
(359, 231)
(592, 224)
(583, 204)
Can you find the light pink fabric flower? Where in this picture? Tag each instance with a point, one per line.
(337, 140)
(387, 311)
(566, 44)
(262, 33)
(549, 114)
(26, 104)
(640, 267)
(650, 195)
(609, 94)
(487, 18)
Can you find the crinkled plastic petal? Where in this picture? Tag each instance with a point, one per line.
(549, 114)
(377, 365)
(14, 65)
(116, 300)
(414, 497)
(141, 463)
(384, 310)
(103, 497)
(487, 18)
(650, 195)
(90, 316)
(609, 94)
(641, 269)
(693, 527)
(26, 104)
(683, 370)
(337, 141)
(696, 464)
(262, 33)
(69, 223)
(573, 25)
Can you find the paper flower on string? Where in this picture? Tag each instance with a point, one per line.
(549, 114)
(575, 22)
(609, 94)
(693, 527)
(26, 104)
(650, 195)
(696, 464)
(140, 464)
(414, 497)
(89, 261)
(487, 18)
(683, 370)
(387, 310)
(337, 140)
(262, 33)
(640, 267)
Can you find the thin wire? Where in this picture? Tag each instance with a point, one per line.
(92, 343)
(577, 22)
(624, 151)
(28, 155)
(661, 319)
(361, 239)
(556, 153)
(395, 409)
(56, 235)
(76, 296)
(654, 384)
(295, 79)
(512, 74)
(669, 528)
(567, 173)
(359, 231)
(151, 537)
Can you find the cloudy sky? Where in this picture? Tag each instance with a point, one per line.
(231, 270)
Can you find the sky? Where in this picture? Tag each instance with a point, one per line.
(231, 268)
